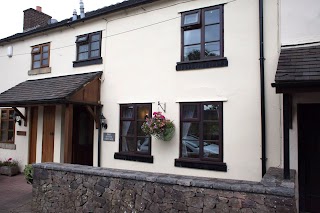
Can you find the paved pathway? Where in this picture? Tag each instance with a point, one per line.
(15, 194)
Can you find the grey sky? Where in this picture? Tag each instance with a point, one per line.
(11, 16)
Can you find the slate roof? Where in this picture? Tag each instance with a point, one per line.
(47, 90)
(89, 15)
(299, 65)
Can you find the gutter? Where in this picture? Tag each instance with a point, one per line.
(262, 91)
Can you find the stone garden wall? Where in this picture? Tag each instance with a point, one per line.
(74, 188)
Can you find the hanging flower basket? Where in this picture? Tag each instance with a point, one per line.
(159, 127)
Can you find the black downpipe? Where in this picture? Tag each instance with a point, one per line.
(262, 92)
(99, 140)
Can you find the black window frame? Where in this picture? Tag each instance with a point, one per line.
(204, 61)
(134, 155)
(202, 162)
(88, 41)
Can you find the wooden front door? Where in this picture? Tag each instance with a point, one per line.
(48, 133)
(82, 145)
(33, 134)
(309, 157)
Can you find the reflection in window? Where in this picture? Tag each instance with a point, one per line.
(88, 46)
(202, 34)
(201, 135)
(40, 56)
(132, 139)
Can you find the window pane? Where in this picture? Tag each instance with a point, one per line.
(4, 115)
(127, 111)
(45, 62)
(139, 130)
(83, 56)
(83, 48)
(10, 136)
(11, 112)
(210, 131)
(212, 16)
(190, 140)
(95, 37)
(127, 128)
(4, 125)
(11, 125)
(4, 136)
(210, 112)
(45, 55)
(192, 53)
(36, 64)
(95, 53)
(212, 33)
(143, 144)
(82, 38)
(191, 18)
(95, 45)
(212, 49)
(45, 49)
(35, 49)
(189, 111)
(142, 112)
(128, 144)
(192, 37)
(36, 57)
(210, 149)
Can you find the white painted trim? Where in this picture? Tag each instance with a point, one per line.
(137, 102)
(202, 100)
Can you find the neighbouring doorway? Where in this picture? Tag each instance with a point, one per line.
(33, 134)
(49, 114)
(309, 157)
(82, 142)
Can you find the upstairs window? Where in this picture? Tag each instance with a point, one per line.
(202, 34)
(89, 46)
(7, 125)
(40, 56)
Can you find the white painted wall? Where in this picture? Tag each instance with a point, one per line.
(300, 21)
(140, 49)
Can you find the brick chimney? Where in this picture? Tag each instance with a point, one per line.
(34, 19)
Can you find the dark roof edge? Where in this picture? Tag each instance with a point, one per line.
(300, 44)
(67, 22)
(291, 84)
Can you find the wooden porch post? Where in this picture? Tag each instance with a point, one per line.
(68, 130)
(286, 140)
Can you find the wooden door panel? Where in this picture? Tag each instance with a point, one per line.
(33, 134)
(48, 133)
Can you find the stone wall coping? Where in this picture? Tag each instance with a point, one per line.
(271, 184)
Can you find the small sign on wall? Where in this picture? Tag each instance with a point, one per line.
(109, 136)
(22, 133)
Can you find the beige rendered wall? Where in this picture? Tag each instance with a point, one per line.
(140, 49)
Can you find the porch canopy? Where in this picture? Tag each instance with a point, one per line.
(298, 71)
(70, 89)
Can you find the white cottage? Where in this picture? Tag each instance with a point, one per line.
(197, 62)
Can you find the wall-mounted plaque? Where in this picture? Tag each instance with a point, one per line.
(109, 136)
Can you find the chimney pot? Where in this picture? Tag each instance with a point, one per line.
(38, 8)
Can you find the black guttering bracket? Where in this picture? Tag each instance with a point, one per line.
(262, 91)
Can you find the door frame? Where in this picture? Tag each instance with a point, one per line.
(33, 130)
